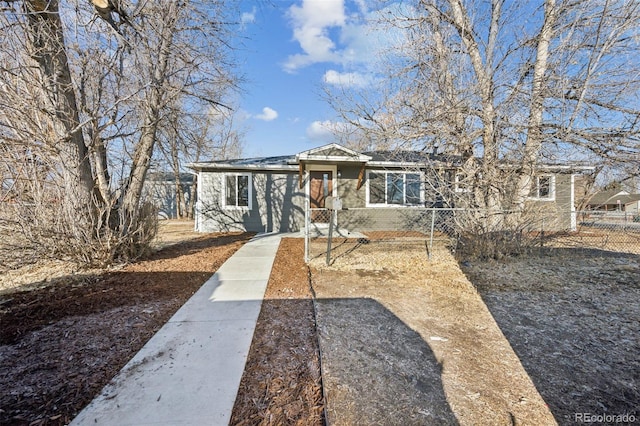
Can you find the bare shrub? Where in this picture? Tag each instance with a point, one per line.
(493, 245)
(45, 230)
(485, 235)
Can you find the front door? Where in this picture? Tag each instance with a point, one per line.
(320, 187)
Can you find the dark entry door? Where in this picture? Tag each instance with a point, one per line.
(320, 187)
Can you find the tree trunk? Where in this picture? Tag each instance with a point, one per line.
(534, 134)
(484, 80)
(175, 166)
(47, 47)
(144, 149)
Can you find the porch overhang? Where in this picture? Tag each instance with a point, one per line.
(331, 155)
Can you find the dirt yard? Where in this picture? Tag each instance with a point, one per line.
(408, 341)
(403, 339)
(573, 319)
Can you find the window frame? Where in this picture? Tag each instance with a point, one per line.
(459, 183)
(386, 203)
(235, 206)
(534, 193)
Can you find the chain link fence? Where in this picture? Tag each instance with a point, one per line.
(331, 234)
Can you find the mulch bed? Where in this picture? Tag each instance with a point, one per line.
(281, 384)
(62, 342)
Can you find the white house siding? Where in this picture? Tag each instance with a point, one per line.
(277, 203)
(633, 207)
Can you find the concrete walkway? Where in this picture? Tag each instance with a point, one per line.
(189, 372)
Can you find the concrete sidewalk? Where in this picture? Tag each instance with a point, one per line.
(189, 372)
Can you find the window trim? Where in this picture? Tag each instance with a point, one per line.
(404, 174)
(224, 191)
(535, 186)
(459, 185)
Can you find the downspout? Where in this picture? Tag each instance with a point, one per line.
(198, 200)
(572, 198)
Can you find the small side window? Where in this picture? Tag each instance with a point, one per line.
(237, 191)
(543, 188)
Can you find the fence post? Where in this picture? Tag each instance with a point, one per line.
(307, 225)
(433, 222)
(330, 237)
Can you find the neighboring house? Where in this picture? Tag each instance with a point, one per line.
(161, 188)
(615, 200)
(376, 189)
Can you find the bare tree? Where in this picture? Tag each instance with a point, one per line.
(195, 137)
(506, 86)
(86, 90)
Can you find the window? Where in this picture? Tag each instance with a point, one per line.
(237, 191)
(543, 188)
(394, 188)
(461, 183)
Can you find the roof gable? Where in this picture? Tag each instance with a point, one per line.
(332, 152)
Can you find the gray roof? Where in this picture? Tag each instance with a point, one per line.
(257, 161)
(419, 157)
(381, 158)
(290, 160)
(612, 197)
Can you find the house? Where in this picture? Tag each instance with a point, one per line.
(616, 200)
(162, 190)
(377, 190)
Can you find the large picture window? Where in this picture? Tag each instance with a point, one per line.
(237, 190)
(543, 188)
(394, 188)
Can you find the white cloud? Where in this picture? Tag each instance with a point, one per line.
(347, 79)
(318, 130)
(248, 17)
(268, 114)
(311, 24)
(362, 6)
(345, 33)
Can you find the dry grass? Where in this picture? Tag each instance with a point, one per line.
(463, 350)
(566, 313)
(570, 316)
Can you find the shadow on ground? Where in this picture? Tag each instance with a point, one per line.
(394, 380)
(573, 322)
(61, 342)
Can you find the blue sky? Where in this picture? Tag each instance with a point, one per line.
(291, 49)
